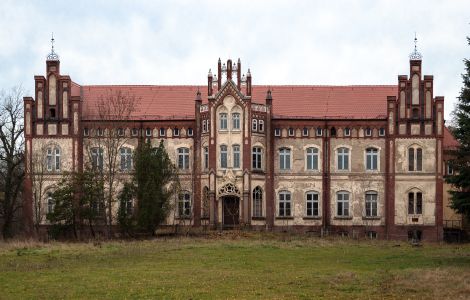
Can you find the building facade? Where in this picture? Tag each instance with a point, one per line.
(357, 160)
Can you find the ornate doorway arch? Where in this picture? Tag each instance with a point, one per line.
(230, 198)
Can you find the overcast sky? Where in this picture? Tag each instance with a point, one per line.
(282, 42)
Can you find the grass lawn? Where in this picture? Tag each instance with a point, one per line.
(235, 266)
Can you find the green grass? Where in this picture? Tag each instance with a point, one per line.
(235, 266)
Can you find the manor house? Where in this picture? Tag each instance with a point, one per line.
(357, 160)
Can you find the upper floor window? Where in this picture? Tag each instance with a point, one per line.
(190, 131)
(312, 204)
(343, 158)
(100, 132)
(126, 159)
(53, 159)
(183, 158)
(86, 131)
(312, 158)
(347, 132)
(176, 132)
(284, 159)
(382, 132)
(184, 204)
(291, 131)
(284, 204)
(257, 202)
(305, 131)
(415, 159)
(371, 204)
(223, 156)
(254, 125)
(204, 128)
(372, 155)
(368, 132)
(120, 131)
(206, 157)
(415, 203)
(135, 131)
(261, 126)
(277, 132)
(450, 168)
(223, 121)
(148, 132)
(236, 156)
(319, 132)
(97, 158)
(342, 204)
(162, 131)
(257, 158)
(333, 131)
(236, 121)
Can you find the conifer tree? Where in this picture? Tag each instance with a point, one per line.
(460, 200)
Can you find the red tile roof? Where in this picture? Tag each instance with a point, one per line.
(449, 140)
(177, 102)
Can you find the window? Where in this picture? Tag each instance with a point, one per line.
(257, 202)
(343, 158)
(382, 132)
(257, 156)
(236, 121)
(342, 204)
(52, 110)
(284, 159)
(190, 131)
(86, 131)
(176, 132)
(284, 204)
(120, 131)
(223, 121)
(126, 204)
(368, 132)
(100, 132)
(305, 131)
(236, 156)
(450, 169)
(50, 203)
(97, 158)
(162, 131)
(312, 204)
(183, 158)
(371, 204)
(261, 125)
(223, 156)
(415, 159)
(291, 131)
(347, 131)
(53, 159)
(415, 113)
(208, 127)
(333, 131)
(415, 203)
(184, 204)
(126, 159)
(135, 131)
(204, 128)
(205, 203)
(254, 125)
(206, 157)
(148, 132)
(97, 207)
(312, 158)
(319, 132)
(277, 132)
(372, 155)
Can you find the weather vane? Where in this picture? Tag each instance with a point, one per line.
(415, 55)
(52, 55)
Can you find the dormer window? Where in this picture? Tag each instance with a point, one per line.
(190, 131)
(162, 131)
(319, 132)
(148, 132)
(368, 132)
(176, 132)
(305, 131)
(291, 131)
(382, 132)
(347, 131)
(277, 132)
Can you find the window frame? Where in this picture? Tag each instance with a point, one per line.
(343, 154)
(254, 125)
(223, 156)
(314, 203)
(126, 164)
(368, 131)
(223, 121)
(371, 204)
(315, 154)
(415, 158)
(277, 131)
(291, 131)
(319, 131)
(257, 158)
(236, 117)
(257, 198)
(260, 125)
(236, 154)
(415, 203)
(370, 154)
(347, 131)
(342, 212)
(190, 131)
(184, 204)
(382, 131)
(183, 158)
(285, 200)
(97, 158)
(148, 132)
(206, 157)
(285, 158)
(305, 131)
(162, 131)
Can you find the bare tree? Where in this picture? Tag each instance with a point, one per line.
(38, 178)
(114, 111)
(11, 156)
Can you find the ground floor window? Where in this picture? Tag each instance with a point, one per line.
(184, 204)
(284, 204)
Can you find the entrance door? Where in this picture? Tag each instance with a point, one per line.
(231, 207)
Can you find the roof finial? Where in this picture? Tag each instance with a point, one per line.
(415, 55)
(52, 55)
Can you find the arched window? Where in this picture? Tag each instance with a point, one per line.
(372, 159)
(183, 158)
(257, 158)
(285, 204)
(184, 204)
(223, 156)
(50, 203)
(205, 203)
(236, 121)
(312, 204)
(371, 204)
(342, 204)
(284, 159)
(236, 156)
(53, 159)
(312, 158)
(254, 125)
(126, 159)
(415, 203)
(257, 202)
(415, 159)
(97, 158)
(343, 158)
(223, 121)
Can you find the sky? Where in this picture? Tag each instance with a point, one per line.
(282, 42)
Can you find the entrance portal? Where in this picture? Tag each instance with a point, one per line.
(231, 209)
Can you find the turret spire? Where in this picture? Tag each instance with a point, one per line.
(52, 55)
(415, 55)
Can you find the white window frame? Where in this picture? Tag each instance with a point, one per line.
(236, 121)
(50, 203)
(319, 132)
(134, 132)
(340, 156)
(223, 156)
(223, 121)
(305, 131)
(97, 158)
(204, 126)
(347, 131)
(416, 163)
(190, 131)
(285, 201)
(284, 158)
(342, 203)
(86, 131)
(257, 198)
(277, 131)
(371, 206)
(291, 131)
(176, 131)
(126, 158)
(368, 131)
(312, 199)
(184, 204)
(449, 168)
(183, 158)
(372, 153)
(162, 131)
(257, 158)
(254, 125)
(236, 156)
(260, 125)
(415, 205)
(382, 131)
(310, 154)
(148, 132)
